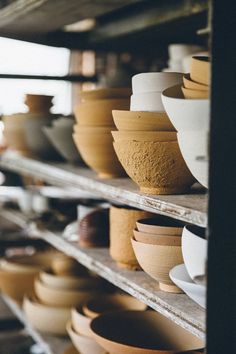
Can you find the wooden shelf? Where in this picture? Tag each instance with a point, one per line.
(190, 208)
(177, 307)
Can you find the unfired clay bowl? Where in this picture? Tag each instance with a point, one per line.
(192, 85)
(200, 70)
(143, 136)
(194, 94)
(81, 129)
(162, 240)
(80, 322)
(156, 167)
(105, 93)
(139, 332)
(160, 225)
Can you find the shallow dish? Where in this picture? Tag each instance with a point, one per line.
(147, 101)
(194, 94)
(153, 239)
(143, 136)
(105, 93)
(200, 70)
(160, 225)
(80, 322)
(192, 85)
(154, 81)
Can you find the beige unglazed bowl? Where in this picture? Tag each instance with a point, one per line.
(194, 94)
(97, 151)
(106, 93)
(49, 319)
(80, 129)
(99, 112)
(160, 225)
(143, 136)
(162, 240)
(192, 85)
(80, 322)
(157, 261)
(200, 70)
(156, 167)
(144, 121)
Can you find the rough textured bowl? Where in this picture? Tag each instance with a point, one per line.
(160, 225)
(157, 261)
(80, 322)
(194, 149)
(143, 136)
(181, 278)
(84, 345)
(156, 167)
(149, 82)
(122, 223)
(194, 94)
(99, 112)
(192, 85)
(38, 103)
(106, 93)
(139, 332)
(186, 114)
(80, 129)
(162, 240)
(49, 319)
(111, 303)
(144, 121)
(200, 70)
(194, 249)
(63, 265)
(147, 101)
(98, 153)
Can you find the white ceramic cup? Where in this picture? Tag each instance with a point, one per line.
(155, 81)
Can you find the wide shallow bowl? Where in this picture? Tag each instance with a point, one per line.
(111, 303)
(64, 265)
(98, 153)
(143, 136)
(194, 249)
(185, 115)
(99, 112)
(147, 101)
(156, 167)
(181, 278)
(194, 149)
(160, 225)
(149, 82)
(105, 93)
(153, 239)
(38, 103)
(192, 85)
(157, 261)
(194, 94)
(84, 345)
(146, 332)
(200, 70)
(144, 121)
(81, 129)
(80, 322)
(49, 319)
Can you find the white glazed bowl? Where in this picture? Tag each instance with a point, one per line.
(194, 249)
(178, 51)
(180, 277)
(194, 149)
(147, 102)
(186, 114)
(155, 82)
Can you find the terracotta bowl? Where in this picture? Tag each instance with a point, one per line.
(160, 225)
(98, 153)
(155, 81)
(122, 223)
(143, 136)
(200, 70)
(111, 303)
(106, 93)
(192, 85)
(139, 332)
(84, 345)
(80, 322)
(99, 112)
(63, 265)
(38, 103)
(49, 319)
(147, 102)
(186, 115)
(144, 121)
(194, 94)
(157, 261)
(162, 240)
(194, 249)
(81, 129)
(156, 167)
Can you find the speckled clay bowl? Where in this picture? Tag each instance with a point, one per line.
(105, 93)
(153, 239)
(81, 129)
(156, 167)
(143, 136)
(200, 70)
(139, 332)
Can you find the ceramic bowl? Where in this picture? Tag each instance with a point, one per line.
(64, 265)
(181, 278)
(144, 121)
(105, 93)
(122, 223)
(194, 149)
(200, 70)
(194, 94)
(143, 136)
(71, 350)
(191, 114)
(81, 129)
(160, 225)
(192, 85)
(98, 153)
(157, 261)
(49, 319)
(147, 102)
(111, 303)
(162, 240)
(38, 103)
(84, 345)
(14, 132)
(178, 51)
(146, 332)
(154, 81)
(156, 167)
(80, 322)
(194, 249)
(99, 112)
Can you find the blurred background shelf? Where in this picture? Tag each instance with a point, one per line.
(69, 78)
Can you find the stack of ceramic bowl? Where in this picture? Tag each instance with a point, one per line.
(146, 143)
(157, 246)
(191, 275)
(82, 316)
(60, 136)
(191, 118)
(177, 52)
(92, 133)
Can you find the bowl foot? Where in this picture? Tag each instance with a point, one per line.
(128, 266)
(170, 288)
(164, 190)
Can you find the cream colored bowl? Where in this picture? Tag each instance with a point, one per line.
(162, 240)
(80, 322)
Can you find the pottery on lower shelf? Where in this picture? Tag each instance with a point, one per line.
(157, 261)
(160, 225)
(105, 93)
(200, 70)
(181, 278)
(162, 240)
(122, 223)
(80, 322)
(146, 332)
